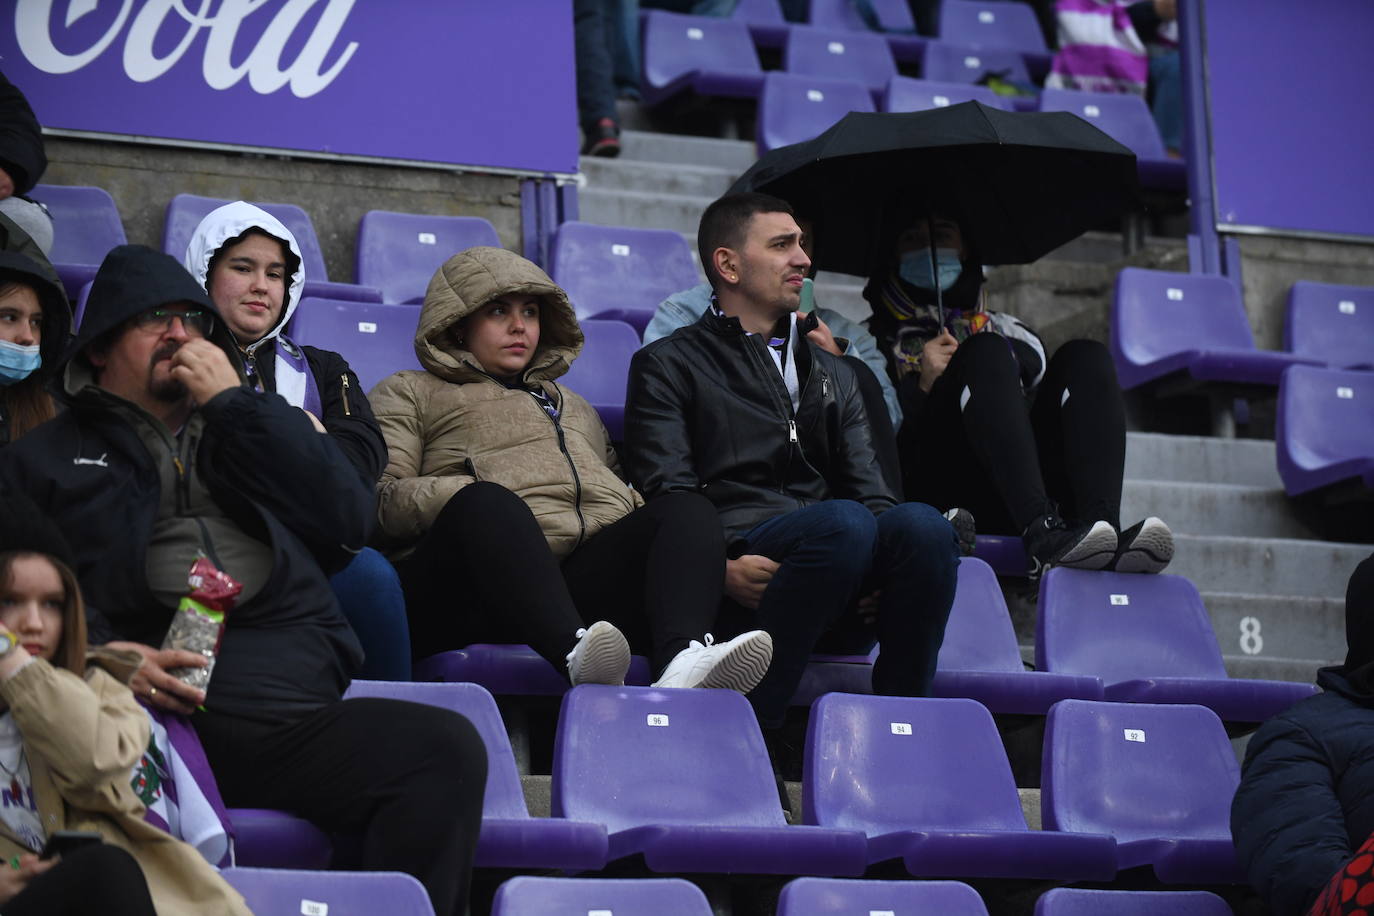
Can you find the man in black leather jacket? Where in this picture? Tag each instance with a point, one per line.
(771, 428)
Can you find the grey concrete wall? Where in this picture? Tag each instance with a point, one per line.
(1269, 266)
(142, 179)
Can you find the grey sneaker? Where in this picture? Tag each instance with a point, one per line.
(1050, 542)
(601, 656)
(735, 665)
(964, 530)
(1145, 547)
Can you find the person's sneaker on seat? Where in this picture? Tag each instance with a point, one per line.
(602, 139)
(1050, 542)
(1145, 547)
(735, 665)
(601, 656)
(964, 529)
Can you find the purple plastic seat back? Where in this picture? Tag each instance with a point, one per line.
(185, 211)
(601, 370)
(893, 15)
(991, 25)
(1332, 323)
(677, 48)
(85, 223)
(375, 339)
(795, 107)
(872, 764)
(979, 635)
(398, 253)
(1325, 428)
(838, 54)
(606, 268)
(1066, 901)
(338, 893)
(529, 896)
(1137, 771)
(765, 20)
(842, 897)
(1121, 115)
(1123, 627)
(907, 94)
(265, 837)
(634, 756)
(953, 63)
(504, 797)
(81, 299)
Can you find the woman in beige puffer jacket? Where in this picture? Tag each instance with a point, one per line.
(503, 508)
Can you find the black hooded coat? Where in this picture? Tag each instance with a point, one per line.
(57, 318)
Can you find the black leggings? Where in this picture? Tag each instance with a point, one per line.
(92, 880)
(1008, 465)
(484, 573)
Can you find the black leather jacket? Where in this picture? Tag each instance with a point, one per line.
(707, 410)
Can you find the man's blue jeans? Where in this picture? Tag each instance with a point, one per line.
(833, 553)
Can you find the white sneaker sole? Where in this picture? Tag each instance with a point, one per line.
(605, 656)
(1095, 551)
(743, 664)
(1150, 551)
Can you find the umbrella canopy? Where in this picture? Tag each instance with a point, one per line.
(1020, 184)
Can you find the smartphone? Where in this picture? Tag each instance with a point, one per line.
(64, 841)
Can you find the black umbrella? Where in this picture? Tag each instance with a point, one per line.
(1019, 184)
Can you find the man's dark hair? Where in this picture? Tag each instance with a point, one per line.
(725, 222)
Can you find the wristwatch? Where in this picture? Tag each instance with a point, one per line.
(7, 642)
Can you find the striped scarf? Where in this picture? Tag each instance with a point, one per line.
(1099, 50)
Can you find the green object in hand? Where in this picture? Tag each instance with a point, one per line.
(808, 296)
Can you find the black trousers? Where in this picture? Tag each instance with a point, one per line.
(1009, 465)
(93, 880)
(484, 573)
(408, 777)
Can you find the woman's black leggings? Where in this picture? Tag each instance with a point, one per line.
(484, 573)
(974, 443)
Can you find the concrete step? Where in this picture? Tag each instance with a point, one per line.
(647, 209)
(1263, 627)
(736, 155)
(707, 181)
(1297, 670)
(1204, 459)
(1213, 508)
(1266, 566)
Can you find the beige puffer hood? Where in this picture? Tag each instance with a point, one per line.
(469, 280)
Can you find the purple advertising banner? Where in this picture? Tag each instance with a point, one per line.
(463, 82)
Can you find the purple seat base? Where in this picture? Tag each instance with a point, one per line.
(999, 854)
(352, 292)
(741, 84)
(510, 670)
(1163, 174)
(542, 842)
(274, 839)
(1232, 699)
(1184, 861)
(1004, 553)
(792, 850)
(1027, 693)
(1247, 367)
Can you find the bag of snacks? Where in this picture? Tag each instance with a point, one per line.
(199, 621)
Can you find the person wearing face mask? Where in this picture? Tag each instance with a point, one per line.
(1031, 446)
(34, 324)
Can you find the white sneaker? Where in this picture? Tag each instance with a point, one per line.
(601, 656)
(736, 665)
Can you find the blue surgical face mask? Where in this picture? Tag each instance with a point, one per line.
(17, 363)
(915, 268)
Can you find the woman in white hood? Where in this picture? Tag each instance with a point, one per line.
(251, 266)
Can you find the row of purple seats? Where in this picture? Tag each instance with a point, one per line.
(619, 272)
(1331, 322)
(1127, 119)
(398, 253)
(86, 225)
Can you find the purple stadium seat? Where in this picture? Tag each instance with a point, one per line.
(271, 891)
(991, 25)
(682, 778)
(185, 211)
(511, 670)
(398, 253)
(527, 896)
(510, 838)
(765, 21)
(376, 339)
(1125, 118)
(1150, 640)
(907, 94)
(837, 54)
(1165, 323)
(264, 838)
(1157, 778)
(81, 305)
(1325, 429)
(709, 56)
(1005, 553)
(1066, 901)
(946, 62)
(842, 897)
(1332, 323)
(618, 272)
(85, 226)
(600, 372)
(794, 108)
(894, 15)
(928, 781)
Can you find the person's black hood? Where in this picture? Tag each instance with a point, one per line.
(57, 312)
(1355, 679)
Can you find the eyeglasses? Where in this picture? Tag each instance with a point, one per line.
(197, 322)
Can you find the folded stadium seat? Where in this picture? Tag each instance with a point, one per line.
(1157, 778)
(375, 339)
(1189, 326)
(837, 54)
(682, 778)
(979, 658)
(510, 838)
(527, 896)
(1325, 431)
(266, 838)
(1005, 553)
(398, 253)
(945, 62)
(765, 21)
(907, 94)
(85, 226)
(1065, 901)
(185, 211)
(929, 783)
(600, 372)
(619, 272)
(899, 28)
(842, 897)
(981, 24)
(794, 108)
(1332, 323)
(80, 311)
(1150, 641)
(709, 56)
(335, 893)
(1127, 119)
(511, 670)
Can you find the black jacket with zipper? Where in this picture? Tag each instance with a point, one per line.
(707, 410)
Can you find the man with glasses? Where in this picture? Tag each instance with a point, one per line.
(165, 456)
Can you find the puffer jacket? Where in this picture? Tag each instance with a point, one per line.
(453, 424)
